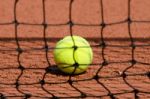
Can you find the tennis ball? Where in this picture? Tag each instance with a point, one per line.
(73, 55)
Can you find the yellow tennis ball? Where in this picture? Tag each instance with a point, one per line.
(73, 55)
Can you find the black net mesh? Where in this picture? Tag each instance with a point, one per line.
(47, 86)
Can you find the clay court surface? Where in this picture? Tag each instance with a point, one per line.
(119, 69)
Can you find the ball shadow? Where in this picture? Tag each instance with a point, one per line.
(54, 70)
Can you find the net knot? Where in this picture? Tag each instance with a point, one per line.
(105, 63)
(103, 24)
(42, 82)
(129, 20)
(103, 44)
(133, 61)
(27, 96)
(148, 74)
(21, 67)
(70, 82)
(17, 84)
(19, 50)
(70, 23)
(72, 0)
(76, 64)
(136, 91)
(16, 1)
(16, 22)
(48, 69)
(123, 75)
(55, 97)
(133, 46)
(75, 47)
(83, 95)
(111, 96)
(45, 25)
(2, 96)
(96, 77)
(46, 47)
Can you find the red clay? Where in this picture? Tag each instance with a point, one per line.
(83, 12)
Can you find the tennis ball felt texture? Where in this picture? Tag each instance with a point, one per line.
(73, 55)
